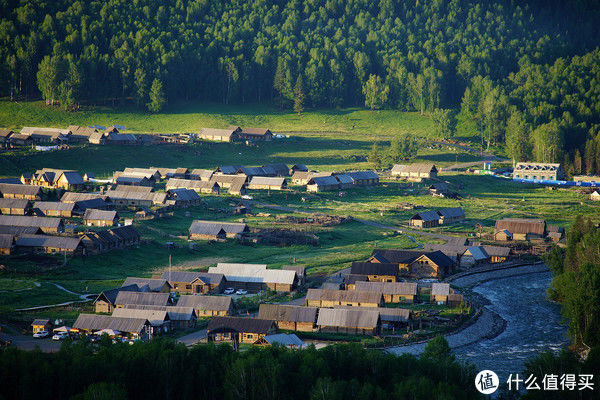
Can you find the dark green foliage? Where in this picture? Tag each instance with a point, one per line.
(234, 51)
(403, 147)
(565, 362)
(576, 282)
(162, 370)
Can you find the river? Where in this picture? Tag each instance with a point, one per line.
(533, 324)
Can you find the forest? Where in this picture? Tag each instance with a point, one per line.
(523, 72)
(576, 281)
(161, 369)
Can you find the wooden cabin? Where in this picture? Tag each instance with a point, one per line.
(194, 282)
(393, 292)
(332, 298)
(347, 320)
(93, 217)
(207, 306)
(290, 317)
(239, 329)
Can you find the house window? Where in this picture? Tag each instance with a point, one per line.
(249, 336)
(188, 287)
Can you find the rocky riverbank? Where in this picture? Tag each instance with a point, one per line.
(488, 324)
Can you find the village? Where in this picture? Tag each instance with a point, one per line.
(397, 294)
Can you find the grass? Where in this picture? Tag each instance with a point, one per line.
(190, 117)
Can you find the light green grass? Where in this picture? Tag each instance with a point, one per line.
(185, 118)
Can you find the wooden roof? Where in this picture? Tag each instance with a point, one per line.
(198, 302)
(289, 313)
(45, 241)
(393, 288)
(25, 220)
(522, 226)
(144, 298)
(240, 324)
(27, 190)
(368, 268)
(348, 318)
(343, 296)
(96, 322)
(101, 215)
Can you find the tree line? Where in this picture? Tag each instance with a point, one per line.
(576, 281)
(162, 369)
(405, 55)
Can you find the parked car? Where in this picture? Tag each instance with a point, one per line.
(41, 334)
(241, 291)
(229, 290)
(60, 335)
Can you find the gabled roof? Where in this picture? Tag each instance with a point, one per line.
(96, 322)
(251, 171)
(183, 194)
(240, 324)
(289, 313)
(279, 168)
(198, 302)
(14, 203)
(323, 181)
(146, 284)
(53, 206)
(344, 179)
(522, 225)
(454, 212)
(299, 167)
(71, 197)
(28, 190)
(426, 216)
(202, 173)
(126, 232)
(362, 175)
(190, 276)
(386, 314)
(19, 230)
(284, 339)
(497, 251)
(393, 288)
(102, 215)
(343, 296)
(72, 177)
(265, 180)
(57, 242)
(398, 256)
(255, 131)
(217, 132)
(155, 317)
(144, 298)
(417, 168)
(253, 273)
(440, 289)
(199, 227)
(176, 183)
(110, 295)
(367, 268)
(348, 318)
(92, 203)
(175, 313)
(478, 253)
(40, 322)
(24, 220)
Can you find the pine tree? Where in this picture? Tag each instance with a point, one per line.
(374, 156)
(157, 96)
(577, 162)
(299, 95)
(376, 92)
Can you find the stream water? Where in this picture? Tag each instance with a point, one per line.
(533, 325)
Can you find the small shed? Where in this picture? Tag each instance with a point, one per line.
(427, 219)
(40, 324)
(440, 292)
(94, 217)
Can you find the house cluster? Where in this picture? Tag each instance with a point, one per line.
(217, 230)
(330, 181)
(30, 224)
(236, 134)
(73, 134)
(466, 254)
(360, 308)
(145, 307)
(444, 216)
(507, 229)
(414, 172)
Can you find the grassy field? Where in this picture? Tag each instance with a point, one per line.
(340, 140)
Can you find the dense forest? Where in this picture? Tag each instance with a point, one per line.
(525, 72)
(160, 369)
(576, 281)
